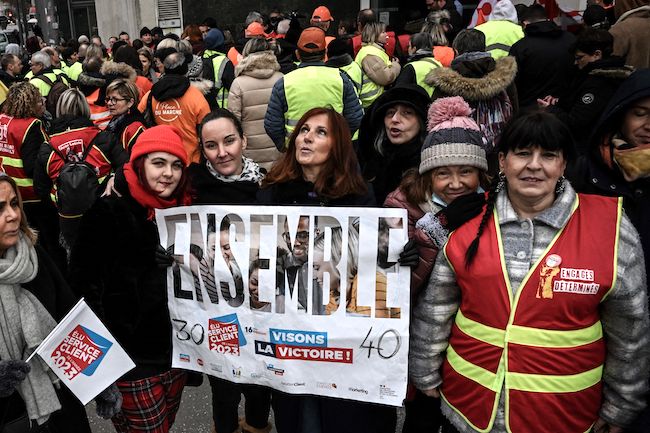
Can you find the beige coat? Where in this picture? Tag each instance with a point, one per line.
(249, 96)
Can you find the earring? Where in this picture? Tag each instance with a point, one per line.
(561, 185)
(501, 184)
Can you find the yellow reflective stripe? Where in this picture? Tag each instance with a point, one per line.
(483, 377)
(478, 331)
(26, 183)
(12, 162)
(554, 338)
(554, 384)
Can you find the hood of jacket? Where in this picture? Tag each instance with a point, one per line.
(91, 79)
(170, 86)
(613, 67)
(504, 10)
(543, 29)
(339, 61)
(118, 70)
(635, 87)
(203, 85)
(261, 65)
(453, 83)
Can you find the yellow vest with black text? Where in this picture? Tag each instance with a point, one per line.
(369, 89)
(310, 87)
(422, 68)
(500, 35)
(219, 62)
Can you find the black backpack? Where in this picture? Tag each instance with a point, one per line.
(77, 185)
(56, 90)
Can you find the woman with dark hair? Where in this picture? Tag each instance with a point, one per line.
(33, 297)
(538, 309)
(249, 97)
(123, 283)
(391, 137)
(129, 55)
(193, 34)
(147, 65)
(319, 168)
(617, 163)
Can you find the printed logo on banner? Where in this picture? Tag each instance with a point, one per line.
(236, 372)
(302, 345)
(325, 385)
(275, 370)
(184, 358)
(81, 351)
(225, 334)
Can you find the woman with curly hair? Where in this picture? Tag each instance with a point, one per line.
(21, 135)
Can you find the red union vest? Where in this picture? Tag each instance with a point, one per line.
(12, 135)
(76, 140)
(545, 347)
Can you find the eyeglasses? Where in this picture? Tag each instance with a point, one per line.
(112, 100)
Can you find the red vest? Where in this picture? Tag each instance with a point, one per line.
(12, 135)
(76, 141)
(545, 347)
(100, 115)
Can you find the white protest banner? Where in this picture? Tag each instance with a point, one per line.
(83, 354)
(306, 300)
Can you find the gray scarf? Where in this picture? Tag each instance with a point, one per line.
(24, 323)
(250, 172)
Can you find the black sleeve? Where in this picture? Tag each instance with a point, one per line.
(42, 181)
(228, 75)
(34, 138)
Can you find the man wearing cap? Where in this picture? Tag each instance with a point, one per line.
(312, 85)
(216, 65)
(323, 18)
(173, 101)
(147, 38)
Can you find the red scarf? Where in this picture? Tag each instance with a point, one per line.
(147, 199)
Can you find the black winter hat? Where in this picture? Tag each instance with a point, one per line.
(145, 31)
(408, 94)
(338, 47)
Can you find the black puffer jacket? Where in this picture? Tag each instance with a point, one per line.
(591, 90)
(207, 189)
(113, 266)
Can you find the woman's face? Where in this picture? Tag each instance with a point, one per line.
(532, 174)
(118, 104)
(636, 123)
(314, 143)
(145, 64)
(163, 172)
(9, 217)
(452, 181)
(402, 124)
(321, 268)
(223, 146)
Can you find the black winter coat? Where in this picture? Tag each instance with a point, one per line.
(544, 62)
(591, 90)
(207, 189)
(113, 266)
(301, 192)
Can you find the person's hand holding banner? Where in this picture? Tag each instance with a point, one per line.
(83, 354)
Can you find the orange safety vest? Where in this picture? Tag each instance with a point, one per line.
(75, 141)
(545, 347)
(12, 135)
(233, 56)
(100, 115)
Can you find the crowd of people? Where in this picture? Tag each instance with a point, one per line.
(519, 149)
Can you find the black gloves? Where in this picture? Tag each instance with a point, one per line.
(461, 210)
(12, 372)
(109, 402)
(409, 255)
(163, 258)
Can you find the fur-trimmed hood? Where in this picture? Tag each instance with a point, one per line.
(451, 82)
(89, 80)
(262, 65)
(203, 85)
(118, 69)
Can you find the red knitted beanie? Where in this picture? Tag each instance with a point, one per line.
(161, 138)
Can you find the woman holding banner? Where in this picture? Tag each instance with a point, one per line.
(439, 197)
(225, 176)
(113, 265)
(319, 168)
(537, 314)
(33, 295)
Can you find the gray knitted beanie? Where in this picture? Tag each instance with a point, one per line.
(454, 138)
